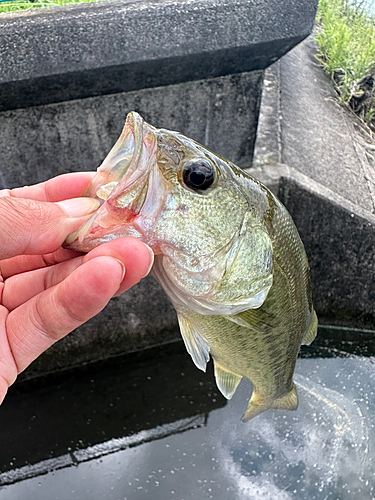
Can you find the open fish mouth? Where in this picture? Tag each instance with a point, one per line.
(126, 152)
(126, 179)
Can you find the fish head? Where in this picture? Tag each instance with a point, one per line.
(202, 217)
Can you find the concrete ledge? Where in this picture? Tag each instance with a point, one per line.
(110, 47)
(319, 158)
(302, 125)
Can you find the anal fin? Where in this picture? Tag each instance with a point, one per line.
(226, 380)
(311, 331)
(256, 406)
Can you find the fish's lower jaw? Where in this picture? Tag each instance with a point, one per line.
(287, 402)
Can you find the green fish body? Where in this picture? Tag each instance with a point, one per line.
(227, 253)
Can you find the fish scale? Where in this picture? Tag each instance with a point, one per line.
(228, 255)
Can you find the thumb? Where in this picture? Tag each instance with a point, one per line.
(29, 227)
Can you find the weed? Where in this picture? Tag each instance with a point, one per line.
(17, 5)
(346, 38)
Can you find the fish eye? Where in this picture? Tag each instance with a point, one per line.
(198, 174)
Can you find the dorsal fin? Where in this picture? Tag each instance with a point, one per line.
(311, 331)
(226, 380)
(195, 344)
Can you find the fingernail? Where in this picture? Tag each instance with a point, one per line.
(4, 193)
(77, 207)
(123, 269)
(151, 259)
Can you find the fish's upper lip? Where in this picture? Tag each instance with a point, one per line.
(144, 146)
(138, 140)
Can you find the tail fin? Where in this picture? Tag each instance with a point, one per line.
(256, 406)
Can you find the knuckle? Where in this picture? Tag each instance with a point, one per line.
(57, 319)
(23, 211)
(74, 314)
(38, 322)
(26, 224)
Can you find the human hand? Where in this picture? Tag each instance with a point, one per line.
(47, 291)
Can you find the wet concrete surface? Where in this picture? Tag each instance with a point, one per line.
(150, 425)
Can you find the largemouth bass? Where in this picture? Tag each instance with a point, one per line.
(227, 254)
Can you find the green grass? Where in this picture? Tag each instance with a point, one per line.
(14, 6)
(346, 40)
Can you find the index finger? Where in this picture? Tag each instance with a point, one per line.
(58, 188)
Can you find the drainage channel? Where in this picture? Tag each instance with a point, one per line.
(151, 425)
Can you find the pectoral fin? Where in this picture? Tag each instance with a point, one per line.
(256, 405)
(226, 381)
(195, 344)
